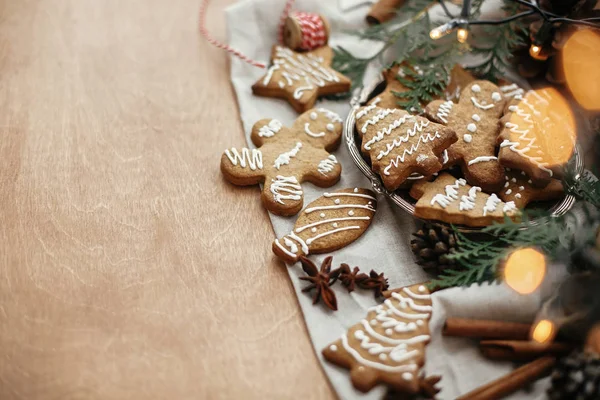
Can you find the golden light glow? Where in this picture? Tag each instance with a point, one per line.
(535, 49)
(535, 52)
(435, 34)
(462, 35)
(543, 332)
(524, 270)
(580, 59)
(442, 30)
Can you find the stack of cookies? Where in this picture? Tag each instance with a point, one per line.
(473, 161)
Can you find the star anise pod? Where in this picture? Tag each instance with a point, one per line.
(321, 280)
(376, 282)
(352, 277)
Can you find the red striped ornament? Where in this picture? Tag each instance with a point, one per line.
(305, 31)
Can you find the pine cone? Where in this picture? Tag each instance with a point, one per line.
(431, 245)
(576, 377)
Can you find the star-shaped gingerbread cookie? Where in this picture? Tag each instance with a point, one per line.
(475, 120)
(400, 144)
(301, 78)
(519, 189)
(452, 200)
(286, 157)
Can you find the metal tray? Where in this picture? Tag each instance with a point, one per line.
(401, 197)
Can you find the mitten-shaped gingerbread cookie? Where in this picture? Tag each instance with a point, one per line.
(520, 189)
(301, 77)
(454, 201)
(286, 157)
(400, 144)
(388, 346)
(475, 120)
(537, 136)
(329, 223)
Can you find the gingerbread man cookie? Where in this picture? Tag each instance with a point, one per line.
(400, 144)
(453, 201)
(475, 120)
(537, 135)
(519, 189)
(301, 77)
(329, 223)
(388, 346)
(286, 157)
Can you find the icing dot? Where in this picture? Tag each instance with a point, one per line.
(373, 322)
(513, 108)
(313, 115)
(407, 376)
(518, 97)
(523, 173)
(313, 230)
(412, 325)
(467, 138)
(355, 190)
(496, 96)
(322, 215)
(383, 357)
(518, 195)
(529, 181)
(350, 212)
(337, 201)
(330, 127)
(476, 117)
(421, 288)
(521, 187)
(471, 127)
(389, 332)
(507, 184)
(420, 322)
(369, 203)
(335, 224)
(476, 88)
(281, 84)
(333, 347)
(509, 191)
(514, 180)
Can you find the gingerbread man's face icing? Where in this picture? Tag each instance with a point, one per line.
(475, 120)
(286, 157)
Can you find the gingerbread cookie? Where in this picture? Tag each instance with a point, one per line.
(400, 144)
(475, 120)
(536, 137)
(519, 189)
(329, 223)
(453, 201)
(301, 77)
(286, 157)
(388, 346)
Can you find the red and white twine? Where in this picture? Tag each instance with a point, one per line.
(286, 11)
(313, 30)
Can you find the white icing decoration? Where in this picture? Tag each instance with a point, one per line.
(481, 106)
(422, 288)
(444, 111)
(468, 202)
(475, 88)
(386, 131)
(311, 133)
(414, 147)
(467, 138)
(333, 117)
(381, 114)
(508, 191)
(333, 347)
(422, 157)
(330, 127)
(270, 129)
(313, 230)
(509, 206)
(285, 158)
(471, 127)
(313, 116)
(351, 212)
(322, 215)
(514, 180)
(407, 376)
(417, 296)
(285, 184)
(293, 248)
(335, 224)
(451, 194)
(337, 201)
(372, 364)
(327, 165)
(252, 158)
(491, 204)
(397, 142)
(518, 195)
(368, 109)
(479, 159)
(341, 219)
(521, 187)
(311, 209)
(496, 96)
(334, 231)
(513, 108)
(476, 117)
(355, 194)
(512, 90)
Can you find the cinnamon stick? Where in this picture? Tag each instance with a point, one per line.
(512, 382)
(486, 329)
(519, 350)
(383, 11)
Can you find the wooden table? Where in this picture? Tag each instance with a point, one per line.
(128, 267)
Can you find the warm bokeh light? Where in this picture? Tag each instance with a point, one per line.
(543, 332)
(580, 59)
(462, 35)
(435, 34)
(524, 270)
(534, 50)
(543, 127)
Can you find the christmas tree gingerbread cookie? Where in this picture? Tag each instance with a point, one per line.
(388, 346)
(452, 200)
(301, 78)
(286, 157)
(519, 189)
(329, 223)
(475, 120)
(401, 144)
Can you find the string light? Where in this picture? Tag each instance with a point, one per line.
(462, 35)
(543, 332)
(444, 29)
(524, 270)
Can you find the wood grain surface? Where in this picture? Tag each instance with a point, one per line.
(128, 268)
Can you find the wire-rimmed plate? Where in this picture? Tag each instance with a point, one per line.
(401, 197)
